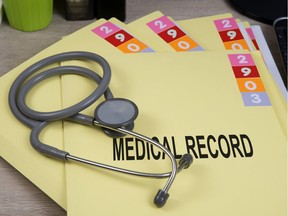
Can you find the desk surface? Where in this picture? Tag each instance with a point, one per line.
(18, 196)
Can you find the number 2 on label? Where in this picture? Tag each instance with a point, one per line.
(105, 29)
(242, 59)
(160, 24)
(226, 23)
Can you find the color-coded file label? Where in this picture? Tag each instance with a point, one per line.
(252, 37)
(120, 38)
(230, 34)
(249, 81)
(173, 35)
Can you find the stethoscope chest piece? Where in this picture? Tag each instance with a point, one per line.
(116, 113)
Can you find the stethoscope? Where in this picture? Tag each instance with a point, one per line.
(114, 115)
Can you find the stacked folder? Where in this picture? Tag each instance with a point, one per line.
(203, 86)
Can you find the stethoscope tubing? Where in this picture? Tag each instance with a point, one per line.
(37, 121)
(21, 108)
(171, 175)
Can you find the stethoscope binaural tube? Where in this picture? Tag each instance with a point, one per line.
(30, 117)
(37, 121)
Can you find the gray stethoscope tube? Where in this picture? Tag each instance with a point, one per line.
(107, 115)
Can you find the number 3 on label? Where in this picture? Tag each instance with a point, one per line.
(255, 98)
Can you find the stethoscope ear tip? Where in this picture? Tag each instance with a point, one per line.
(162, 195)
(161, 198)
(186, 160)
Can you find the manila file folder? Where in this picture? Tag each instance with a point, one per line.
(38, 168)
(15, 148)
(208, 96)
(44, 172)
(189, 102)
(173, 35)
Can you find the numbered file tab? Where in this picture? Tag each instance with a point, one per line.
(248, 80)
(120, 38)
(230, 34)
(173, 35)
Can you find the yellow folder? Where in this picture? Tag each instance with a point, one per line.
(218, 32)
(156, 107)
(46, 173)
(189, 105)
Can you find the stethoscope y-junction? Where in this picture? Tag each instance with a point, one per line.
(114, 115)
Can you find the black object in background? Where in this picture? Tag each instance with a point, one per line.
(280, 27)
(110, 8)
(79, 9)
(265, 11)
